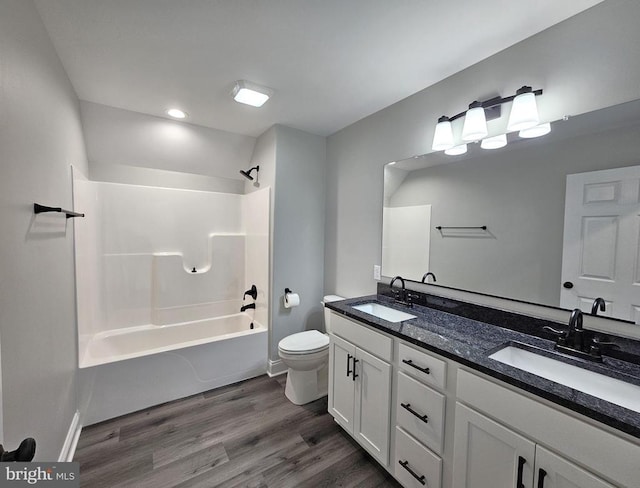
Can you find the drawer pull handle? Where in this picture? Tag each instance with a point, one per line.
(407, 406)
(410, 363)
(405, 465)
(354, 376)
(541, 474)
(521, 462)
(349, 356)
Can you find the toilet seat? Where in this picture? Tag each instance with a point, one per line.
(307, 342)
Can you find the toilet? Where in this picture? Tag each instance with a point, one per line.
(306, 354)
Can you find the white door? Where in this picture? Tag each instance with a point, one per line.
(553, 471)
(601, 248)
(488, 455)
(341, 381)
(373, 402)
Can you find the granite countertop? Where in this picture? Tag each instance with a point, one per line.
(470, 342)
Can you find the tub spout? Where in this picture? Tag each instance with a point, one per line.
(245, 307)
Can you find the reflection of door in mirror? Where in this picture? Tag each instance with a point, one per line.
(406, 235)
(601, 248)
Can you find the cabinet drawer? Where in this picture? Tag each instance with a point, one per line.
(416, 400)
(421, 365)
(373, 342)
(414, 465)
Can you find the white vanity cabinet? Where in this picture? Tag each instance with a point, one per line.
(360, 384)
(420, 418)
(490, 455)
(529, 444)
(432, 422)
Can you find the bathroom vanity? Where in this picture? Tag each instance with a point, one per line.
(424, 398)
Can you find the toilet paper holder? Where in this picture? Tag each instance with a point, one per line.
(290, 299)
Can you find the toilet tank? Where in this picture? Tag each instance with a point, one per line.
(327, 312)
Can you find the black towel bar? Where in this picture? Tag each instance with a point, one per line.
(37, 208)
(440, 227)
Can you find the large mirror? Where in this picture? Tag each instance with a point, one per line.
(553, 220)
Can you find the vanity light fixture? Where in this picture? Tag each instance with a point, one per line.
(250, 93)
(524, 111)
(456, 150)
(176, 113)
(495, 142)
(443, 137)
(537, 131)
(523, 116)
(475, 123)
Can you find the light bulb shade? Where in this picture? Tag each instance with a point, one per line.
(456, 150)
(495, 142)
(443, 136)
(475, 125)
(537, 131)
(524, 112)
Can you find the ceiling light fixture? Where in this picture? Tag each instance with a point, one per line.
(523, 117)
(176, 113)
(250, 93)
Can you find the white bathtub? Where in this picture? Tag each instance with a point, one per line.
(132, 342)
(126, 370)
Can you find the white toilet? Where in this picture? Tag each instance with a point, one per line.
(306, 354)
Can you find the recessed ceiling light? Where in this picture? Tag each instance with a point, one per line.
(176, 113)
(250, 93)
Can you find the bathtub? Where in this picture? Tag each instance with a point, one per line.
(126, 370)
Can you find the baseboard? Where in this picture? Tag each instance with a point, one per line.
(276, 368)
(70, 443)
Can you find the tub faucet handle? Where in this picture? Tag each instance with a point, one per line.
(252, 292)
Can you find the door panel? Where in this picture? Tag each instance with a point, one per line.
(487, 454)
(341, 384)
(601, 243)
(373, 399)
(557, 472)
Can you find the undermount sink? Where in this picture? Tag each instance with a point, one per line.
(385, 313)
(610, 389)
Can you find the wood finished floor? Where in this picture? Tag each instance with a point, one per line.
(242, 435)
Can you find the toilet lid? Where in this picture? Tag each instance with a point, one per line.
(304, 342)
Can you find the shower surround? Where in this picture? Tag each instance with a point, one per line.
(161, 275)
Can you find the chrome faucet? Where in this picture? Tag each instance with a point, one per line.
(426, 275)
(598, 303)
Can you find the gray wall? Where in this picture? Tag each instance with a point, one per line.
(298, 232)
(585, 63)
(292, 163)
(40, 137)
(121, 144)
(520, 196)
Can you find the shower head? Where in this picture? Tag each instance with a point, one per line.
(247, 174)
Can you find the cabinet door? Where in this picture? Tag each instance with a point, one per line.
(373, 403)
(341, 381)
(488, 455)
(553, 471)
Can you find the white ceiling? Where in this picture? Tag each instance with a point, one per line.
(330, 62)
